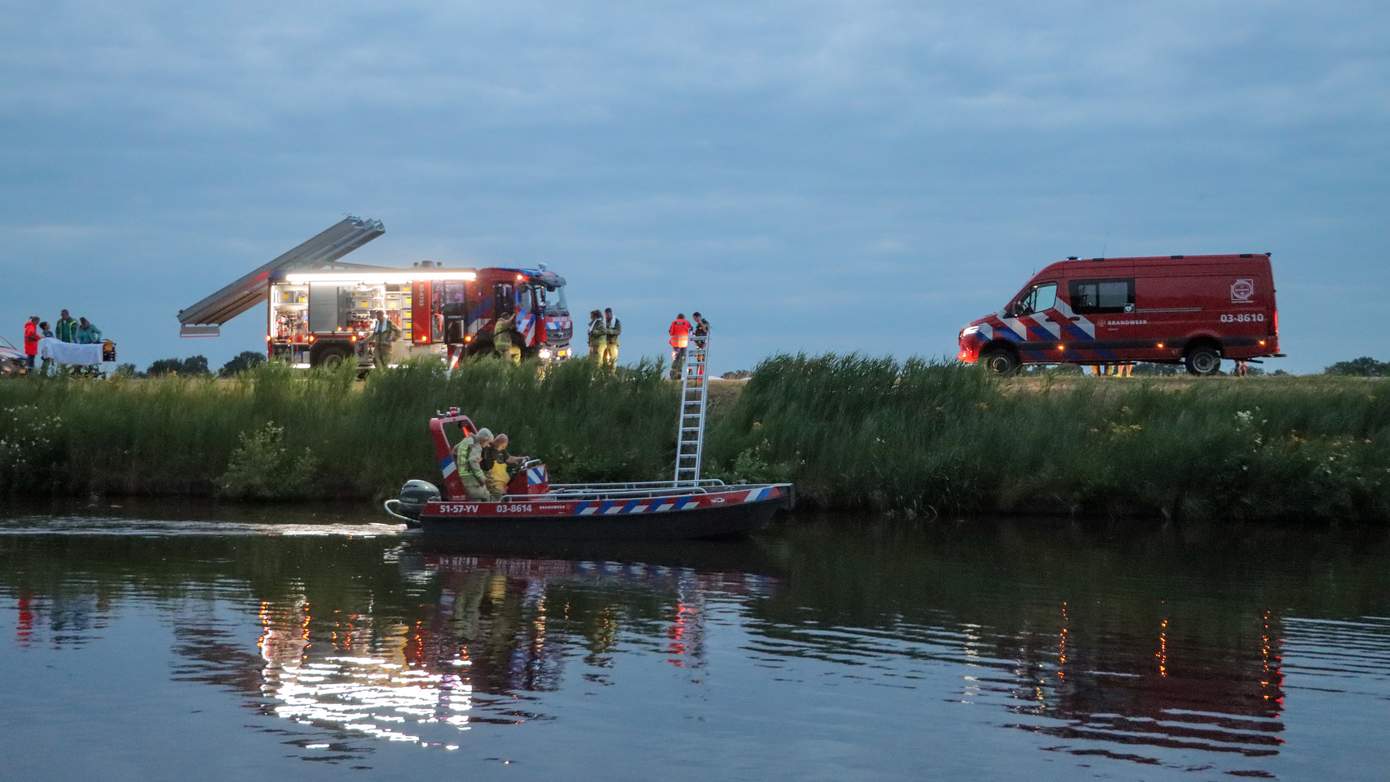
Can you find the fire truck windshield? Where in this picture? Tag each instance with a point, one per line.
(551, 301)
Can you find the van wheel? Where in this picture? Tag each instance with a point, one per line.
(1203, 360)
(1000, 361)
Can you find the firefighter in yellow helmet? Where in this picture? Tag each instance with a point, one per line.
(504, 338)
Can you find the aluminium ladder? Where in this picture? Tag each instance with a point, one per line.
(690, 425)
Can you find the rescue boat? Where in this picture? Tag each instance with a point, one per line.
(537, 511)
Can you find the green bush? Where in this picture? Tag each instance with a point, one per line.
(262, 468)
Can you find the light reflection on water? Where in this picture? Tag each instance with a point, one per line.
(1046, 651)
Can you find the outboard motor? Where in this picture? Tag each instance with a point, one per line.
(414, 495)
(411, 502)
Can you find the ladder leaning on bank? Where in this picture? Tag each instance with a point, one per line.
(690, 426)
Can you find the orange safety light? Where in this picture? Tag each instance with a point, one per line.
(468, 338)
(312, 338)
(353, 338)
(1160, 346)
(1061, 347)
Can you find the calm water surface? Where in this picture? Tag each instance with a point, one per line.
(144, 645)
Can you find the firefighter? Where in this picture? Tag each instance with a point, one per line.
(598, 336)
(468, 458)
(680, 340)
(613, 328)
(66, 328)
(700, 335)
(384, 333)
(504, 338)
(497, 463)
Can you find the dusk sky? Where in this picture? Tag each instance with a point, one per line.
(817, 176)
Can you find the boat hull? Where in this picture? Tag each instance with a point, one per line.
(721, 514)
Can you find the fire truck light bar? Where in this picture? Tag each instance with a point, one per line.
(389, 278)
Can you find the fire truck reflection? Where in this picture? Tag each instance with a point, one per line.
(496, 636)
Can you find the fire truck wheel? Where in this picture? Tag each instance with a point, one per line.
(330, 357)
(1203, 359)
(1000, 361)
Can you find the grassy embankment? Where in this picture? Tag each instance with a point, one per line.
(853, 432)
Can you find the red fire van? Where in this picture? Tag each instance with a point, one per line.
(1195, 309)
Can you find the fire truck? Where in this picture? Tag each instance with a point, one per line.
(320, 309)
(1194, 309)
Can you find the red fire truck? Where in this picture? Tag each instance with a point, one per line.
(1194, 309)
(320, 308)
(322, 318)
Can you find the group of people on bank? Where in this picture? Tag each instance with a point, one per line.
(484, 464)
(605, 335)
(78, 331)
(682, 333)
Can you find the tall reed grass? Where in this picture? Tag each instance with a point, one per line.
(930, 438)
(913, 437)
(178, 436)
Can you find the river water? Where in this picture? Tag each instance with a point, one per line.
(178, 644)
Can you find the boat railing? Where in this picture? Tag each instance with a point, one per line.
(619, 491)
(567, 488)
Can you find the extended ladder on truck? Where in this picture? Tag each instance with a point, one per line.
(690, 426)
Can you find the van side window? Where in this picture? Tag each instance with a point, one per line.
(1039, 298)
(1102, 295)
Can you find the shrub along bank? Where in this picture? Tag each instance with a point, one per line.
(853, 432)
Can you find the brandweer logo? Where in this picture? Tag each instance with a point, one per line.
(1242, 291)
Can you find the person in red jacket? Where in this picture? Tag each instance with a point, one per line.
(680, 340)
(31, 340)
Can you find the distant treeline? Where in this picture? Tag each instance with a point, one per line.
(914, 437)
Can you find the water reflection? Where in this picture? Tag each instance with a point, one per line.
(1176, 653)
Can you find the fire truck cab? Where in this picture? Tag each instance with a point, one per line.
(1195, 310)
(535, 296)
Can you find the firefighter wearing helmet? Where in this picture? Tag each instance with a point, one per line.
(468, 458)
(680, 340)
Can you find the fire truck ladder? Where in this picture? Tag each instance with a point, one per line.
(690, 427)
(205, 318)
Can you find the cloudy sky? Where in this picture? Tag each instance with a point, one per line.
(857, 175)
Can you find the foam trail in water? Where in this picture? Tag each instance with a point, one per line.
(128, 527)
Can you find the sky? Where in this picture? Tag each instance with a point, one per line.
(866, 175)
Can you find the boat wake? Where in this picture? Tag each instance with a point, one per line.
(117, 526)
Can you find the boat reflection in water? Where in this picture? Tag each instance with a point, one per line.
(482, 647)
